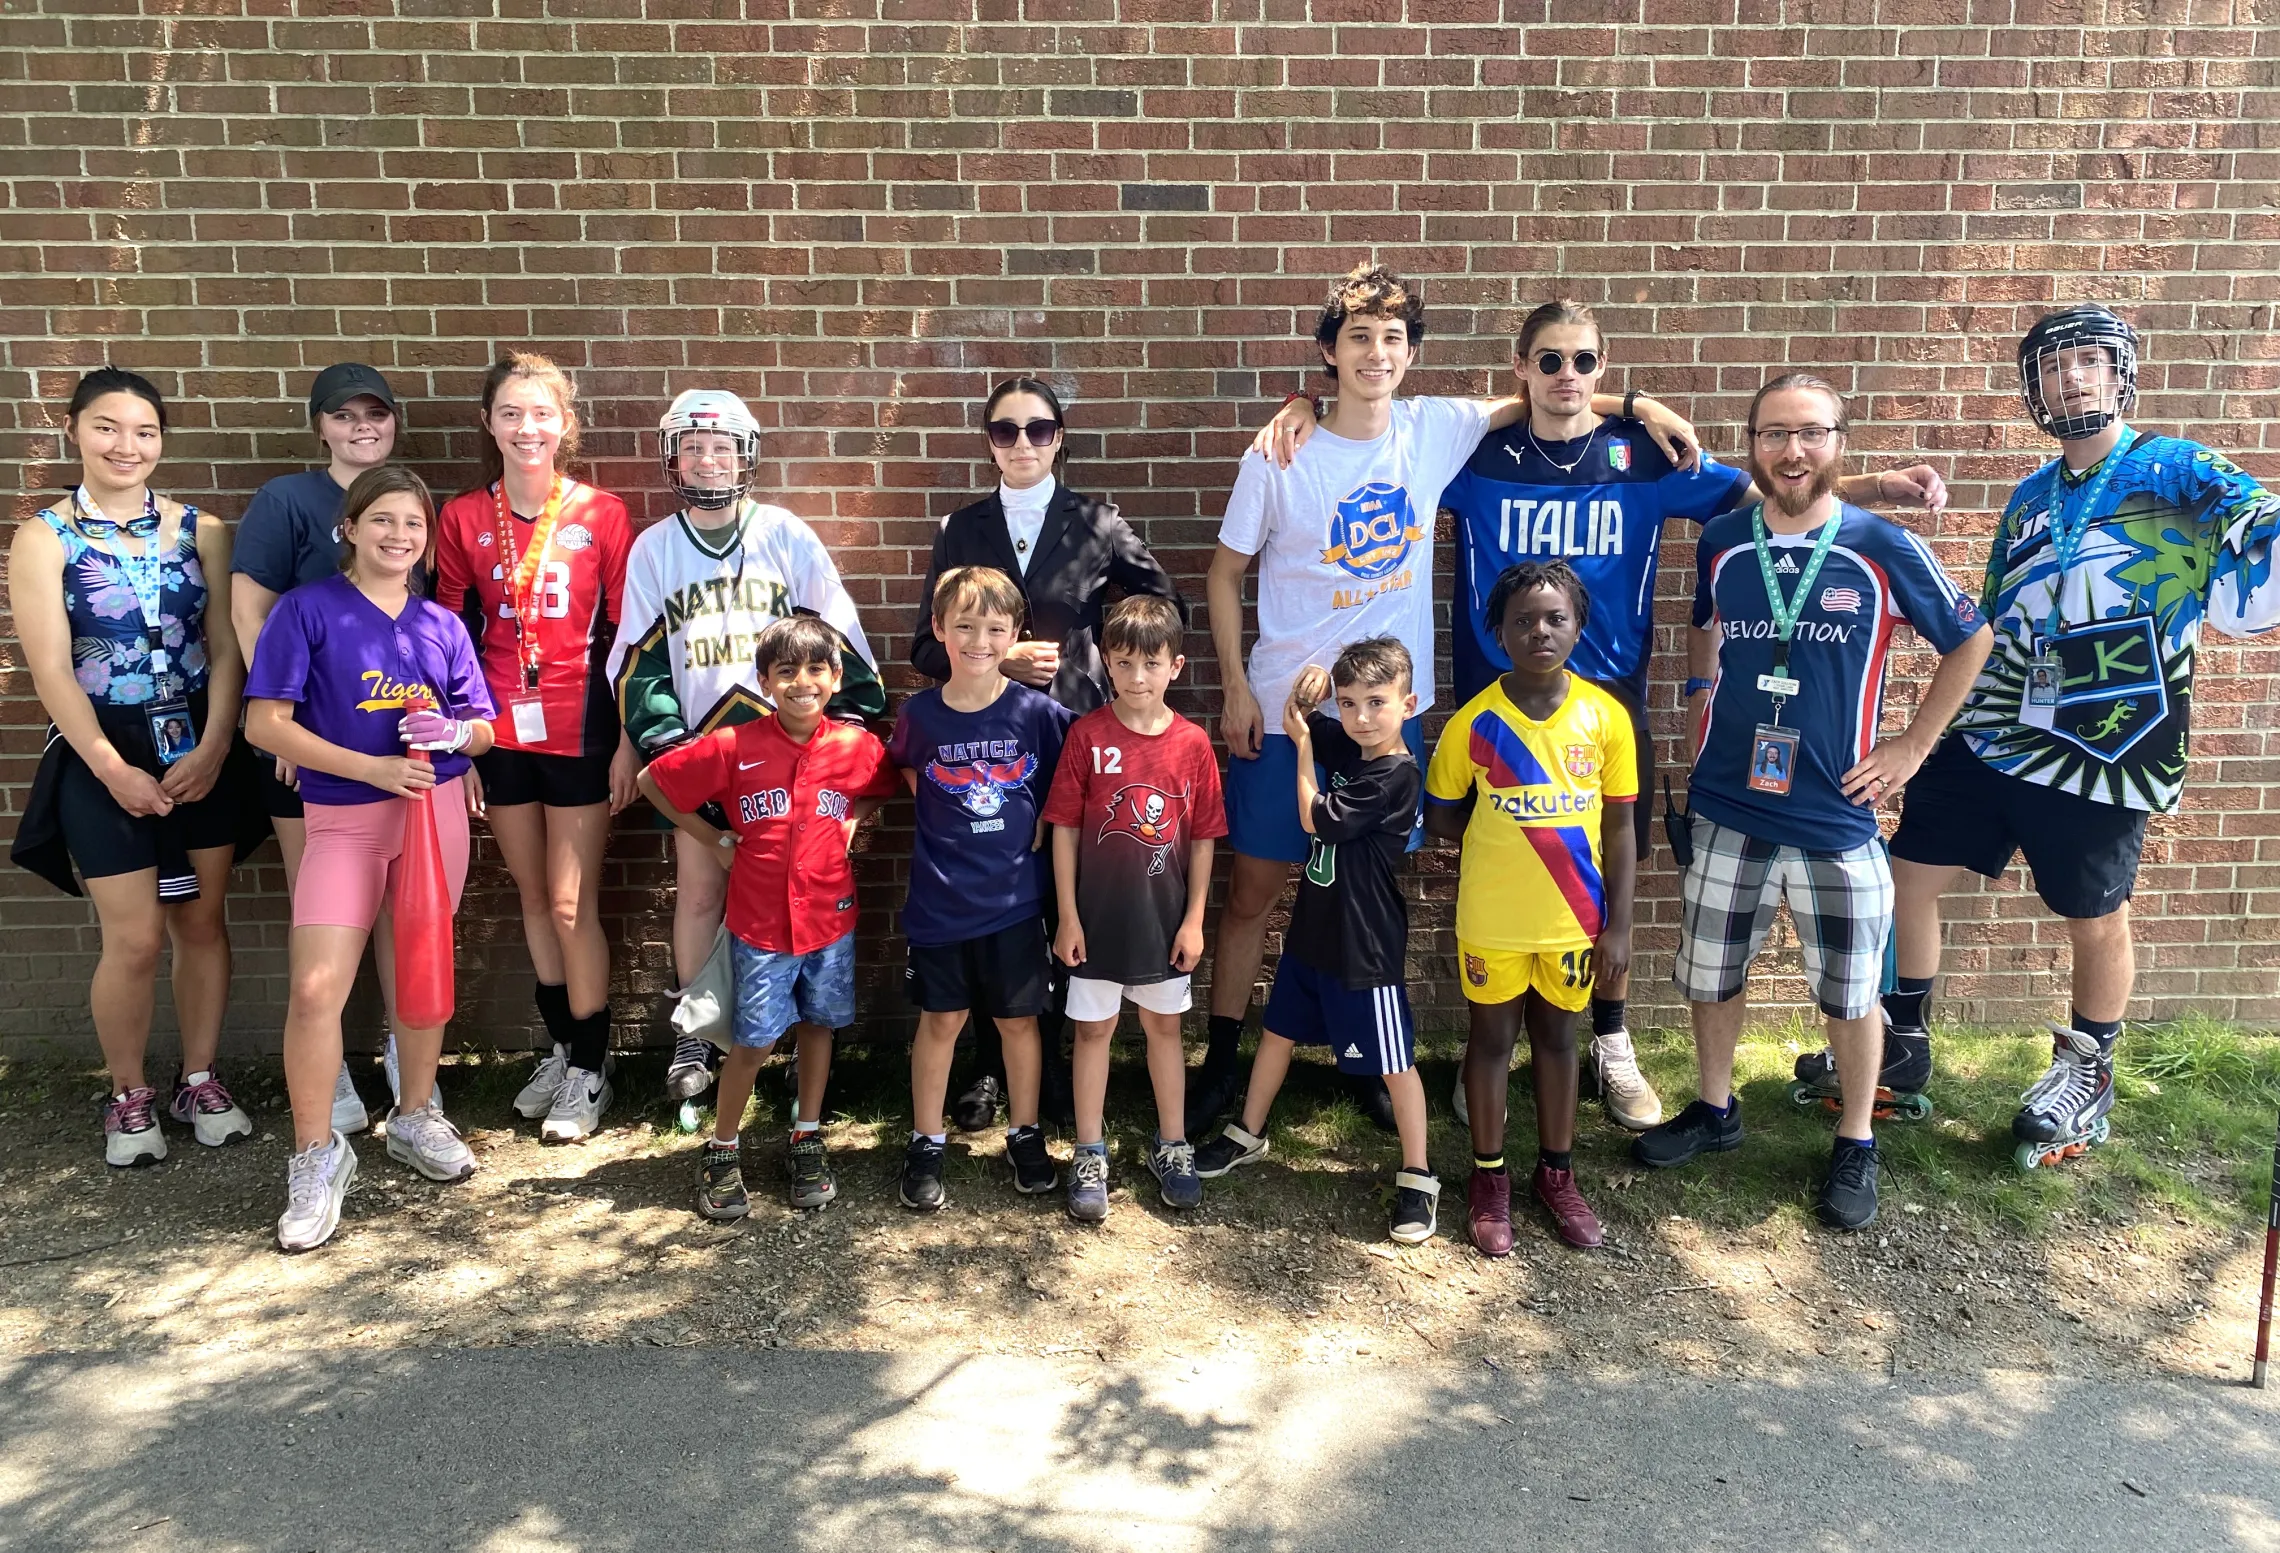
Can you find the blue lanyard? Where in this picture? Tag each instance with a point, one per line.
(2070, 519)
(146, 570)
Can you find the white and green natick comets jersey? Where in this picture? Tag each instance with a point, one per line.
(696, 602)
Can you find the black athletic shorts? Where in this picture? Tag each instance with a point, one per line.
(1961, 812)
(1632, 693)
(1002, 975)
(511, 777)
(104, 839)
(278, 800)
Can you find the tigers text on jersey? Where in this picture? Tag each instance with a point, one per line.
(1137, 802)
(580, 587)
(1597, 502)
(1530, 877)
(696, 601)
(2182, 537)
(791, 887)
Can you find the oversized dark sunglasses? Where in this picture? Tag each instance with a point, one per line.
(1004, 434)
(1550, 362)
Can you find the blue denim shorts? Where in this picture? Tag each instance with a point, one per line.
(1262, 798)
(777, 991)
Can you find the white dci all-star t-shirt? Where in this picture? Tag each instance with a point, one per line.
(1344, 538)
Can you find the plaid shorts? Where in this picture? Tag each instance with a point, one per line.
(1840, 901)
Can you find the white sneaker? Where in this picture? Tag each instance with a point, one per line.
(207, 1109)
(426, 1141)
(316, 1179)
(578, 1106)
(349, 1115)
(536, 1098)
(130, 1129)
(1630, 1100)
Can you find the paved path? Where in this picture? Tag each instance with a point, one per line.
(550, 1450)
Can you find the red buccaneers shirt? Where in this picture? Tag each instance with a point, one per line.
(792, 888)
(581, 590)
(1137, 802)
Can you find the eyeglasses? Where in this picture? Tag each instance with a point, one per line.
(1004, 434)
(1550, 362)
(1810, 438)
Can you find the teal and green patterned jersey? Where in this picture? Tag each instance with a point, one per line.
(2181, 538)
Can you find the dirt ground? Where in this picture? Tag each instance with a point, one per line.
(1287, 1261)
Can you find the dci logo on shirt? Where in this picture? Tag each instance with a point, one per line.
(1371, 531)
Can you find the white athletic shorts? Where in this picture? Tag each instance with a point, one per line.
(1091, 1000)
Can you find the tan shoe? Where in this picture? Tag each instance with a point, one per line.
(1630, 1100)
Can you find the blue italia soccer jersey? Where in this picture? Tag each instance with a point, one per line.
(1877, 577)
(1597, 502)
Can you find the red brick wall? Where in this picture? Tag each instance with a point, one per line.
(858, 213)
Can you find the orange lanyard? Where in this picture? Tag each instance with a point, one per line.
(520, 576)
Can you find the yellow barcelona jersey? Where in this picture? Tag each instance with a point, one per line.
(1530, 878)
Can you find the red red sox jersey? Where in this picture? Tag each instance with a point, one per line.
(581, 589)
(1137, 802)
(791, 889)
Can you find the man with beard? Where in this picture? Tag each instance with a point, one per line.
(1796, 599)
(2109, 560)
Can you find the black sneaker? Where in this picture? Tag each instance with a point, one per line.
(1033, 1172)
(976, 1109)
(1848, 1197)
(1056, 1099)
(1416, 1206)
(922, 1176)
(720, 1183)
(1211, 1093)
(1370, 1094)
(1173, 1166)
(813, 1184)
(1224, 1150)
(1699, 1129)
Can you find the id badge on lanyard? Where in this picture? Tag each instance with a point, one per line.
(2067, 523)
(529, 715)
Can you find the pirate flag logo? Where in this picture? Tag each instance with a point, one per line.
(1150, 816)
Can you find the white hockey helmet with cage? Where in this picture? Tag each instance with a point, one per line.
(709, 410)
(2083, 326)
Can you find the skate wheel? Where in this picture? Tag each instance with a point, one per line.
(2029, 1155)
(687, 1118)
(1912, 1108)
(2100, 1130)
(1801, 1094)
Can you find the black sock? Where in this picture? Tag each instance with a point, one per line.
(1606, 1016)
(1555, 1159)
(554, 1011)
(2103, 1030)
(1226, 1036)
(590, 1040)
(1908, 1004)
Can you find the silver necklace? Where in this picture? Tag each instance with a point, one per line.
(1568, 468)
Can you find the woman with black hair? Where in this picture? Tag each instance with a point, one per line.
(1065, 551)
(121, 601)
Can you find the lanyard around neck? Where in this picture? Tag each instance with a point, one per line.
(520, 574)
(146, 569)
(1786, 610)
(2070, 518)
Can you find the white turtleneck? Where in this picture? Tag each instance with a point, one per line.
(1025, 516)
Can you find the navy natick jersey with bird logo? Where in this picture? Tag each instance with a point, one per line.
(1597, 502)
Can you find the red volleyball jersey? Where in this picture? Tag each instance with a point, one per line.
(791, 887)
(580, 588)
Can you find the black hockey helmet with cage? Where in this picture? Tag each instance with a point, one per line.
(2085, 324)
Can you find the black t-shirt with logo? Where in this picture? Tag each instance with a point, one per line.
(1351, 921)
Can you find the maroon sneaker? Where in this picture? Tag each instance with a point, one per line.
(1488, 1211)
(1571, 1215)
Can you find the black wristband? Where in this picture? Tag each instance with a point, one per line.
(1630, 397)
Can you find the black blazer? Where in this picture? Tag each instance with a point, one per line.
(1083, 547)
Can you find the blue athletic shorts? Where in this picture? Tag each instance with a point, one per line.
(1370, 1031)
(777, 991)
(1262, 798)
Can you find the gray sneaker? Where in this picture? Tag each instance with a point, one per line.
(348, 1112)
(426, 1141)
(1088, 1187)
(316, 1180)
(536, 1098)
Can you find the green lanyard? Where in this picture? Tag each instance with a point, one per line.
(1786, 611)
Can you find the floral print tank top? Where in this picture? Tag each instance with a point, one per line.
(110, 641)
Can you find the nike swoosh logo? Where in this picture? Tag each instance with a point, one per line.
(747, 765)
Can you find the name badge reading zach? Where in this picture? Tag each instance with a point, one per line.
(1780, 685)
(530, 719)
(2044, 675)
(170, 734)
(1773, 759)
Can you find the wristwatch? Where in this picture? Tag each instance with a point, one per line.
(1695, 683)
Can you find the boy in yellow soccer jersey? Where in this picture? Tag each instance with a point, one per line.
(1536, 779)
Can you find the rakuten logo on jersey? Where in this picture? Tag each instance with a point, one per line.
(1807, 631)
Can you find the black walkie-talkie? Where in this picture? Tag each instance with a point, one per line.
(1678, 825)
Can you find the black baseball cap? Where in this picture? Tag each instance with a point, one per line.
(343, 381)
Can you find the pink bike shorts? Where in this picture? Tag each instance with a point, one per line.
(349, 867)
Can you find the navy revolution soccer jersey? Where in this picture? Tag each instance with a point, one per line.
(1877, 576)
(1604, 516)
